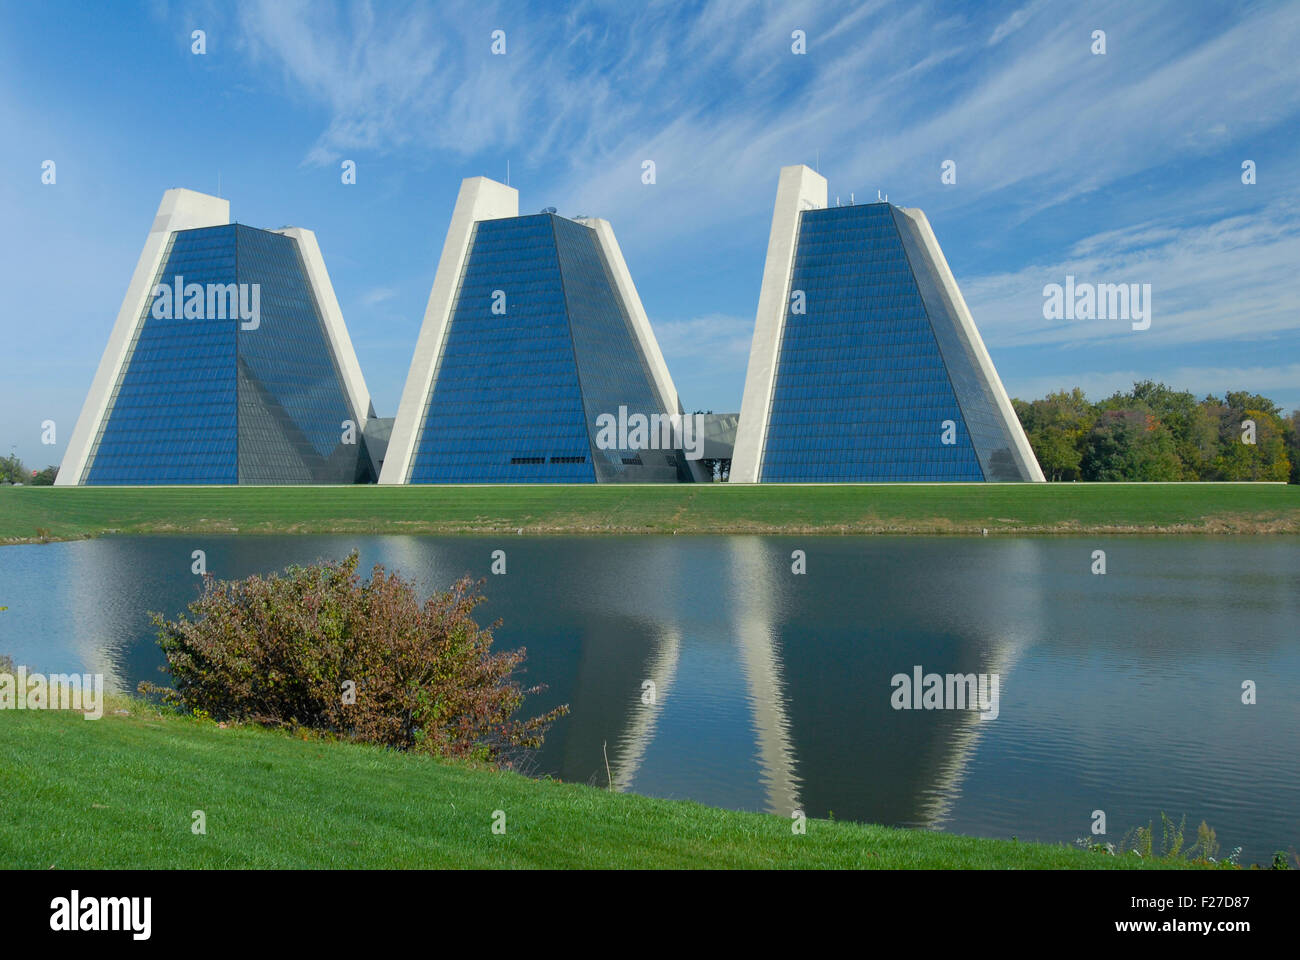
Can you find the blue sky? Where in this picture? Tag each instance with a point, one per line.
(1120, 168)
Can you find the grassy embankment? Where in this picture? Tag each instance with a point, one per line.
(35, 513)
(121, 791)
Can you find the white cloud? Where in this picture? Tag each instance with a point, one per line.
(1277, 382)
(707, 356)
(717, 99)
(1230, 279)
(377, 295)
(1014, 22)
(715, 336)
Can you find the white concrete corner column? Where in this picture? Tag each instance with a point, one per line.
(645, 334)
(179, 210)
(1021, 450)
(799, 189)
(328, 304)
(479, 199)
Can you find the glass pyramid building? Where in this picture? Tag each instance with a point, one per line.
(866, 365)
(533, 333)
(229, 364)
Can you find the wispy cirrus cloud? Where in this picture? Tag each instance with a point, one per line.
(377, 295)
(1233, 277)
(706, 355)
(1039, 127)
(714, 95)
(715, 336)
(1266, 379)
(1014, 22)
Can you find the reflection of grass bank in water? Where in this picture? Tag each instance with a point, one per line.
(35, 513)
(122, 792)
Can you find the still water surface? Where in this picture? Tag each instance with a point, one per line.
(1119, 692)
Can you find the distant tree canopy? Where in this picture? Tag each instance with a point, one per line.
(1153, 432)
(12, 470)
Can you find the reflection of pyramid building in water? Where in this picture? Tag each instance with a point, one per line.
(760, 665)
(533, 332)
(202, 395)
(813, 726)
(866, 364)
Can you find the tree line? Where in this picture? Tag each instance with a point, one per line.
(13, 471)
(1154, 432)
(1151, 432)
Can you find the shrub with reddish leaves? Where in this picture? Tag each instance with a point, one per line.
(320, 648)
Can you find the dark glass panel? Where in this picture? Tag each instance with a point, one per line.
(516, 394)
(171, 417)
(201, 401)
(861, 389)
(292, 402)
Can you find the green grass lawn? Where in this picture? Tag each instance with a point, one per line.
(120, 792)
(33, 513)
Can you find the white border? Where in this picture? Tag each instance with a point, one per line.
(1021, 449)
(179, 210)
(799, 188)
(645, 334)
(479, 199)
(339, 340)
(669, 400)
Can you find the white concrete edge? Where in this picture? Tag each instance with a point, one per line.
(179, 210)
(645, 334)
(753, 629)
(1023, 451)
(339, 340)
(640, 729)
(799, 188)
(479, 199)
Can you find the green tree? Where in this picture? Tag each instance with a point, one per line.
(1241, 400)
(12, 470)
(1130, 445)
(1193, 429)
(1058, 454)
(1154, 432)
(1056, 427)
(1293, 444)
(1264, 459)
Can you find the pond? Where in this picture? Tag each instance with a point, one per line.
(706, 668)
